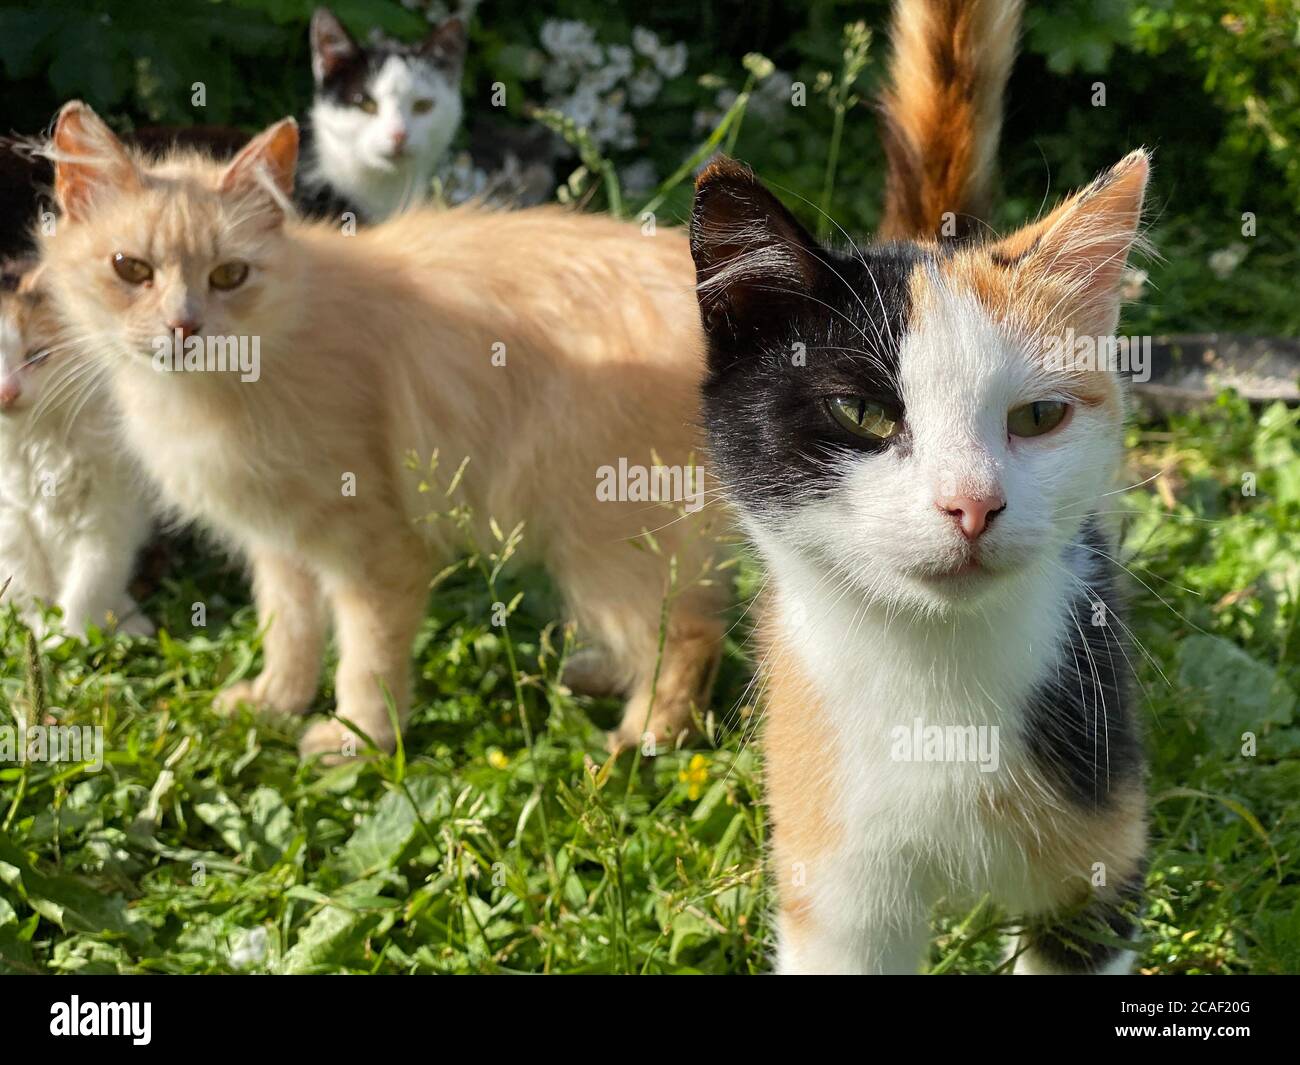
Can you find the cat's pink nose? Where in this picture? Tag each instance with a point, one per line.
(187, 327)
(972, 513)
(10, 391)
(399, 140)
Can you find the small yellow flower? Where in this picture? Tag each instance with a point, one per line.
(497, 759)
(695, 776)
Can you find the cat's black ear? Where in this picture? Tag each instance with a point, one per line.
(445, 46)
(332, 47)
(752, 257)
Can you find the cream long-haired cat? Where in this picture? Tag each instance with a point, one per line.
(74, 507)
(544, 346)
(947, 710)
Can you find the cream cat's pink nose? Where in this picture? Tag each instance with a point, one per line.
(187, 327)
(10, 391)
(972, 513)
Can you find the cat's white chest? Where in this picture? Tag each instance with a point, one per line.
(928, 729)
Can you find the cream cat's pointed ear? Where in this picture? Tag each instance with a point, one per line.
(1086, 241)
(750, 252)
(267, 162)
(89, 160)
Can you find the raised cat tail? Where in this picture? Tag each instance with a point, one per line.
(942, 113)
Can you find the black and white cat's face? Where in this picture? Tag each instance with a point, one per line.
(886, 420)
(384, 111)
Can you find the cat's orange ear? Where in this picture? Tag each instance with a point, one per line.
(267, 162)
(1085, 243)
(88, 160)
(750, 252)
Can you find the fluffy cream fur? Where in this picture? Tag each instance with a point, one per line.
(381, 344)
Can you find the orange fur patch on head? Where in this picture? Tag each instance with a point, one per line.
(1056, 282)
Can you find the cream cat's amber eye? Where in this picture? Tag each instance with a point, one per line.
(132, 271)
(228, 275)
(422, 107)
(365, 102)
(1037, 418)
(863, 417)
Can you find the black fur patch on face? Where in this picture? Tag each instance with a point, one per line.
(1079, 724)
(789, 325)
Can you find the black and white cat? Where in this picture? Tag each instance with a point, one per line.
(382, 119)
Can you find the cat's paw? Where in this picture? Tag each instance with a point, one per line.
(661, 736)
(136, 624)
(334, 742)
(262, 695)
(331, 741)
(592, 672)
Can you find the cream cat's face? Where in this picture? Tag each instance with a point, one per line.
(891, 422)
(185, 247)
(29, 342)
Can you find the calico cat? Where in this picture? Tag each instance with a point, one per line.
(74, 511)
(947, 705)
(544, 346)
(383, 118)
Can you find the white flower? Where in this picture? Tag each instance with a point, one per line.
(1133, 283)
(1226, 260)
(639, 178)
(619, 57)
(571, 41)
(671, 60)
(645, 41)
(582, 106)
(643, 87)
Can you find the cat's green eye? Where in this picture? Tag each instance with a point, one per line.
(228, 275)
(132, 271)
(366, 102)
(422, 107)
(864, 417)
(1037, 418)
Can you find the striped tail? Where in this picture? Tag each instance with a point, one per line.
(943, 114)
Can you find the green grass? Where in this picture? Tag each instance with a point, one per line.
(204, 845)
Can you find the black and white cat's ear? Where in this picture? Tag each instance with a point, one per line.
(88, 159)
(445, 46)
(266, 165)
(332, 47)
(1084, 244)
(751, 254)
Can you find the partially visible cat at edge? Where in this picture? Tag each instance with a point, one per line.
(542, 345)
(74, 507)
(948, 709)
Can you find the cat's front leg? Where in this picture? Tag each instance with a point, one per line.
(844, 914)
(376, 615)
(290, 609)
(94, 588)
